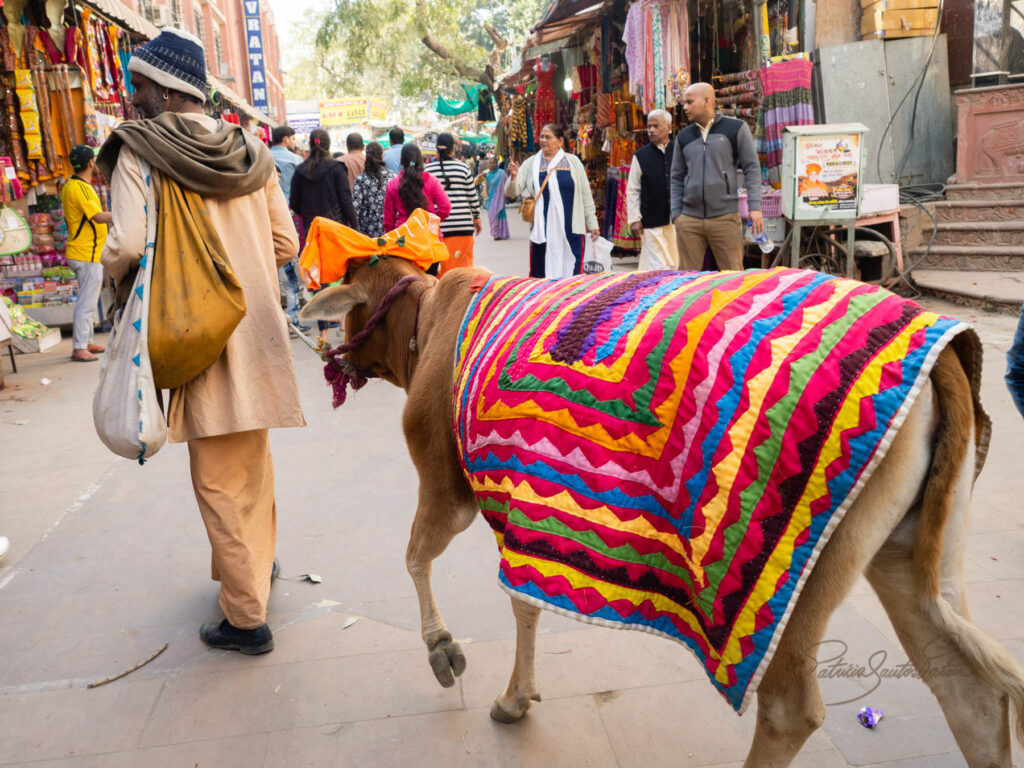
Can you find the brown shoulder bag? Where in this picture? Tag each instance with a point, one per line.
(529, 204)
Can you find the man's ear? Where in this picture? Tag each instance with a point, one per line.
(333, 303)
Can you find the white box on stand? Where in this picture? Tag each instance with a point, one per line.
(879, 198)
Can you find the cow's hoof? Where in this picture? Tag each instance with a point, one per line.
(500, 715)
(447, 660)
(514, 711)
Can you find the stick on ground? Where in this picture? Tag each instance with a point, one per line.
(128, 671)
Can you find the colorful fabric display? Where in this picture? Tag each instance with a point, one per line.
(787, 101)
(670, 451)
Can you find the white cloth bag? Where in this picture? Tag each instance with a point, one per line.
(597, 255)
(125, 408)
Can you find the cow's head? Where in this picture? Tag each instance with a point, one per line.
(385, 352)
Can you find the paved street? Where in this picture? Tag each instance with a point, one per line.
(109, 562)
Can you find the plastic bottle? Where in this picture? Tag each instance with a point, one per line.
(764, 242)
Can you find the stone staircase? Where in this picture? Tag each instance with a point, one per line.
(980, 228)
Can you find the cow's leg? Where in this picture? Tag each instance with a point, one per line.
(522, 686)
(976, 710)
(789, 704)
(434, 527)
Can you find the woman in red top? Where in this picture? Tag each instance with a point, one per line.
(412, 189)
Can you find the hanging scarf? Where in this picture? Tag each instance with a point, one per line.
(558, 257)
(225, 162)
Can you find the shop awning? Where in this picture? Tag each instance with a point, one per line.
(133, 22)
(561, 10)
(125, 16)
(238, 102)
(562, 21)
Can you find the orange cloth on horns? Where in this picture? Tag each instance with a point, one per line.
(330, 246)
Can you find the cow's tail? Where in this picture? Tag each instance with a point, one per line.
(957, 427)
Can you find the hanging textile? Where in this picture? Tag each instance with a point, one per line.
(633, 37)
(787, 101)
(544, 109)
(485, 107)
(677, 51)
(470, 104)
(657, 96)
(517, 134)
(623, 236)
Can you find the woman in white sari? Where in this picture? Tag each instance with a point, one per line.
(565, 207)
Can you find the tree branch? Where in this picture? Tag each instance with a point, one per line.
(484, 76)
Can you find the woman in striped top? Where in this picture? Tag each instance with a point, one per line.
(464, 220)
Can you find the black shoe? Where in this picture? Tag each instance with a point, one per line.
(224, 636)
(274, 570)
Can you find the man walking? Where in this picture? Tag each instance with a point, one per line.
(393, 155)
(705, 203)
(282, 149)
(647, 195)
(225, 412)
(87, 230)
(354, 158)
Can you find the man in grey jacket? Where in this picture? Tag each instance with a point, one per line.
(703, 186)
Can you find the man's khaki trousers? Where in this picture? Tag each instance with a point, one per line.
(723, 233)
(233, 479)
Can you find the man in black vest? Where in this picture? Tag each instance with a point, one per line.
(704, 189)
(647, 195)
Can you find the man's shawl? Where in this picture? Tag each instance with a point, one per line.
(670, 451)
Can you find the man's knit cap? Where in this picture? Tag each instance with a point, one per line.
(175, 60)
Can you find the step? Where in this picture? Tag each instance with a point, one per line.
(985, 192)
(981, 233)
(998, 291)
(980, 258)
(979, 210)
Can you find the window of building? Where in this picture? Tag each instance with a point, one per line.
(218, 52)
(176, 11)
(200, 26)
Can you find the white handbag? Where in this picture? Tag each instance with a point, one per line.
(125, 408)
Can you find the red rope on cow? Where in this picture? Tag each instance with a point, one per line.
(341, 373)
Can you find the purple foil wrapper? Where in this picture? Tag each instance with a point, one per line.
(869, 716)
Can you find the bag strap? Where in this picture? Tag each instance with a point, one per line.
(545, 183)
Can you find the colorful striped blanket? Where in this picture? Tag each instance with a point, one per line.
(670, 451)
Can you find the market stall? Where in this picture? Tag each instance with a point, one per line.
(63, 68)
(599, 69)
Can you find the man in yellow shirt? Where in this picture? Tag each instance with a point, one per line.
(87, 232)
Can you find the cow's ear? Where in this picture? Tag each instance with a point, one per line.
(333, 303)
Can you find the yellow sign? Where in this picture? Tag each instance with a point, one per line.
(377, 109)
(351, 111)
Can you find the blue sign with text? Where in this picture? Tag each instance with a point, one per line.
(254, 43)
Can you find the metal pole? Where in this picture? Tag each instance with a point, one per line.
(851, 234)
(1004, 43)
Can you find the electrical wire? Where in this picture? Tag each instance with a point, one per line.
(918, 82)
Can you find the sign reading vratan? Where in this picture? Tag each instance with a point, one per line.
(254, 45)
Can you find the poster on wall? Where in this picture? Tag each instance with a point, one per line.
(828, 169)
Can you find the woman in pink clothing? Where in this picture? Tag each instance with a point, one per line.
(412, 189)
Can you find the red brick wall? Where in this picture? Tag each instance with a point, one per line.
(225, 18)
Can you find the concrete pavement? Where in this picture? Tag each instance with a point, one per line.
(109, 561)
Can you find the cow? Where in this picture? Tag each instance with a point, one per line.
(905, 530)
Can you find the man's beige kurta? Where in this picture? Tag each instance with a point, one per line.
(252, 385)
